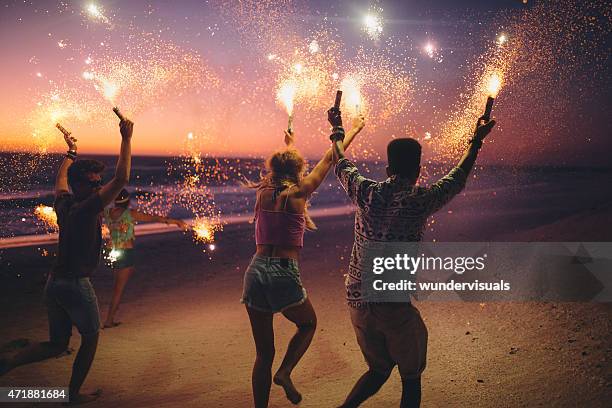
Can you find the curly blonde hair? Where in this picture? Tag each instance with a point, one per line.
(283, 169)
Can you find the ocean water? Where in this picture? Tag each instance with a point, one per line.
(27, 181)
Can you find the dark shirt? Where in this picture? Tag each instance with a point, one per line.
(80, 235)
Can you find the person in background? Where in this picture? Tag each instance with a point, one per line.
(272, 281)
(394, 210)
(120, 221)
(69, 296)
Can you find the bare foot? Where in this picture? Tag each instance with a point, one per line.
(291, 392)
(84, 398)
(111, 325)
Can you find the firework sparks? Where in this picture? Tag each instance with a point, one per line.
(373, 25)
(501, 39)
(47, 216)
(429, 49)
(204, 230)
(494, 84)
(285, 96)
(351, 88)
(96, 13)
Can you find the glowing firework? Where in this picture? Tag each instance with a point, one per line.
(47, 215)
(501, 39)
(493, 86)
(372, 25)
(95, 12)
(286, 96)
(351, 88)
(204, 230)
(313, 47)
(429, 49)
(114, 254)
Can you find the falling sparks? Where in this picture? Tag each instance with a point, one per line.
(313, 47)
(96, 13)
(352, 95)
(204, 230)
(429, 49)
(373, 25)
(47, 216)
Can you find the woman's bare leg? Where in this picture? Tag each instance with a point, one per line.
(263, 334)
(121, 277)
(305, 319)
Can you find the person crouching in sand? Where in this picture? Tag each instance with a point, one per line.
(394, 210)
(120, 221)
(69, 295)
(272, 280)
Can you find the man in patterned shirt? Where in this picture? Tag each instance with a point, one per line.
(394, 210)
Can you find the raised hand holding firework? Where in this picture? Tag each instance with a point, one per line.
(118, 113)
(70, 141)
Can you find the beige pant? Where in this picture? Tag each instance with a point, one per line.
(390, 334)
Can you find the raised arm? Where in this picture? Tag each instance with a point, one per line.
(314, 179)
(144, 217)
(483, 128)
(110, 190)
(61, 180)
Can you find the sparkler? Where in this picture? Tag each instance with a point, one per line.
(95, 12)
(204, 230)
(47, 215)
(286, 96)
(373, 25)
(429, 49)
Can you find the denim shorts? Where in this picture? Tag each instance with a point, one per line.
(272, 284)
(71, 301)
(125, 259)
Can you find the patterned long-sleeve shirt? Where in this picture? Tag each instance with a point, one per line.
(389, 211)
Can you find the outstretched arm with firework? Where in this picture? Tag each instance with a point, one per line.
(61, 180)
(317, 175)
(483, 128)
(110, 190)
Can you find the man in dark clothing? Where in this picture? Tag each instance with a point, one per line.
(69, 295)
(392, 211)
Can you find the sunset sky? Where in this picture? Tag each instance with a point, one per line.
(213, 69)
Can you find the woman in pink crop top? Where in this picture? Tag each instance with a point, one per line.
(272, 280)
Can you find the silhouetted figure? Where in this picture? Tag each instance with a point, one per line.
(394, 210)
(120, 221)
(272, 280)
(69, 295)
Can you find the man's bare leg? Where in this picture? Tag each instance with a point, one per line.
(32, 354)
(80, 369)
(305, 319)
(366, 386)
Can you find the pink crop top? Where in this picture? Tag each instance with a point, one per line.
(279, 227)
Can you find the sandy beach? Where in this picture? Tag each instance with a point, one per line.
(185, 338)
